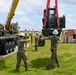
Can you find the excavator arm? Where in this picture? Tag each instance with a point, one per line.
(11, 14)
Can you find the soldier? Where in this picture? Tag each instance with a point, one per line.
(36, 41)
(54, 43)
(21, 53)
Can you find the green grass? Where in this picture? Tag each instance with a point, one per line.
(39, 59)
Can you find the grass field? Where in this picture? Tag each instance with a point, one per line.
(39, 59)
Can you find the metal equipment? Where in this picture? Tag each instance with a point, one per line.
(51, 20)
(8, 32)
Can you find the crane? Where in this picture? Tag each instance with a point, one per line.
(8, 31)
(8, 26)
(51, 19)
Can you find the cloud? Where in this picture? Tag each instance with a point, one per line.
(69, 18)
(34, 6)
(23, 19)
(70, 2)
(5, 5)
(0, 21)
(70, 22)
(29, 13)
(19, 12)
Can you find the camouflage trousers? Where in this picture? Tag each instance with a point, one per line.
(22, 55)
(53, 57)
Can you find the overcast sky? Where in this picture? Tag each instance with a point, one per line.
(29, 13)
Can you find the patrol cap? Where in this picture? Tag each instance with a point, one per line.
(22, 34)
(55, 32)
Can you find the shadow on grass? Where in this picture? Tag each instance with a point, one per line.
(2, 65)
(13, 71)
(42, 62)
(34, 50)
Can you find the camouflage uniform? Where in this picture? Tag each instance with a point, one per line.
(21, 54)
(36, 41)
(54, 43)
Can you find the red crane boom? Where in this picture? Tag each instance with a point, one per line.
(57, 15)
(46, 14)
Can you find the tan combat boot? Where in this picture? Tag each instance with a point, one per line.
(28, 69)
